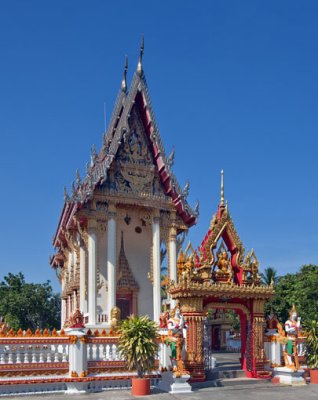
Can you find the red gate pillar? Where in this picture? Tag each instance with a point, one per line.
(257, 333)
(243, 322)
(193, 314)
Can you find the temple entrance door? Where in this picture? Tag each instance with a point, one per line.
(124, 303)
(215, 338)
(228, 333)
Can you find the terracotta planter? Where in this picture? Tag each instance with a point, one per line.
(140, 386)
(313, 376)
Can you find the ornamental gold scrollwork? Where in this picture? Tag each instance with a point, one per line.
(190, 304)
(226, 305)
(83, 233)
(73, 339)
(101, 227)
(217, 227)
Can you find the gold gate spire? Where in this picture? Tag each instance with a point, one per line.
(222, 189)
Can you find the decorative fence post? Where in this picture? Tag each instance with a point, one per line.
(77, 355)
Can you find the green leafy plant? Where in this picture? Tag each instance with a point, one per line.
(138, 343)
(311, 328)
(29, 305)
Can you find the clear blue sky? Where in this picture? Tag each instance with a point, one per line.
(233, 85)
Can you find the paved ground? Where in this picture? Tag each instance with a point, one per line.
(249, 392)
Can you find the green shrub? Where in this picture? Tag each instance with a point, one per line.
(138, 343)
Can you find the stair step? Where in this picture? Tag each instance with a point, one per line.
(225, 374)
(231, 383)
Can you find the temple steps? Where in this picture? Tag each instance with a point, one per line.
(225, 374)
(234, 380)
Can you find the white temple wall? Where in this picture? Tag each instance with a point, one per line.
(137, 249)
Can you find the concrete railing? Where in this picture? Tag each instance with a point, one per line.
(72, 360)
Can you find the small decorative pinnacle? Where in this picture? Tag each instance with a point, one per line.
(142, 47)
(87, 168)
(185, 192)
(222, 189)
(78, 178)
(171, 158)
(196, 209)
(74, 191)
(93, 155)
(124, 81)
(66, 196)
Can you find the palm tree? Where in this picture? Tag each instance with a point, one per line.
(269, 276)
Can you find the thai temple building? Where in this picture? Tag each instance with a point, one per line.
(116, 227)
(122, 217)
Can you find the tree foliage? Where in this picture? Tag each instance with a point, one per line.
(269, 276)
(299, 289)
(312, 343)
(29, 305)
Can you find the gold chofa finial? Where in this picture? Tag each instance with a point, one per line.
(124, 81)
(222, 189)
(142, 47)
(293, 310)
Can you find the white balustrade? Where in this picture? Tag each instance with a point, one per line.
(106, 351)
(115, 355)
(25, 353)
(64, 353)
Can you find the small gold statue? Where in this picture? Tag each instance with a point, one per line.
(223, 263)
(115, 319)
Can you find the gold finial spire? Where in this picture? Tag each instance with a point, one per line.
(142, 47)
(222, 189)
(293, 310)
(124, 81)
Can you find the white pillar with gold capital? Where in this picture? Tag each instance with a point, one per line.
(173, 249)
(172, 259)
(92, 255)
(111, 259)
(82, 278)
(156, 268)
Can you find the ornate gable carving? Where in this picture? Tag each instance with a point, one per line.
(221, 226)
(133, 171)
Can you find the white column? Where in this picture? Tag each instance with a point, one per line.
(92, 247)
(111, 261)
(63, 302)
(82, 279)
(74, 265)
(173, 258)
(74, 300)
(69, 302)
(156, 268)
(173, 254)
(63, 308)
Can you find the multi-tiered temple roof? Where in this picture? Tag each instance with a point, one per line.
(135, 100)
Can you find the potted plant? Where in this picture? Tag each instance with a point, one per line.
(311, 328)
(138, 346)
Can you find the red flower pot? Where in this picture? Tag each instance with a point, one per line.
(313, 376)
(140, 386)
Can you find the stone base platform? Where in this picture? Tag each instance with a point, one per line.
(287, 376)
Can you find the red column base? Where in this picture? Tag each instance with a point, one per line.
(196, 371)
